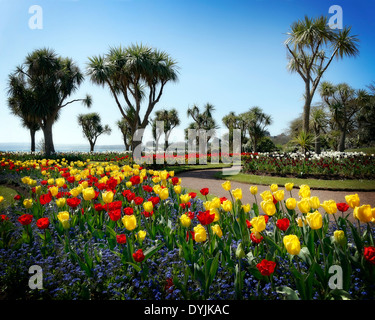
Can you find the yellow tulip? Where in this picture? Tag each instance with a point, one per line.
(291, 203)
(363, 213)
(253, 190)
(128, 184)
(74, 192)
(215, 203)
(237, 193)
(185, 198)
(246, 207)
(88, 193)
(304, 205)
(63, 217)
(329, 206)
(266, 195)
(300, 222)
(216, 213)
(304, 191)
(177, 189)
(185, 220)
(314, 203)
(28, 203)
(60, 182)
(352, 200)
(164, 194)
(268, 207)
(227, 205)
(292, 244)
(141, 235)
(279, 195)
(339, 237)
(51, 181)
(129, 222)
(274, 187)
(289, 186)
(54, 190)
(60, 202)
(200, 234)
(217, 230)
(258, 223)
(148, 206)
(1, 199)
(315, 220)
(107, 196)
(226, 185)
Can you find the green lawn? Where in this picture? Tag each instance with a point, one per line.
(358, 185)
(8, 195)
(187, 167)
(369, 150)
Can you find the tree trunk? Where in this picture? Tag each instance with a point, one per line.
(48, 140)
(306, 109)
(92, 145)
(32, 135)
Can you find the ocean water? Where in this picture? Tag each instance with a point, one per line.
(25, 147)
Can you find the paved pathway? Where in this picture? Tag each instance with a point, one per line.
(198, 179)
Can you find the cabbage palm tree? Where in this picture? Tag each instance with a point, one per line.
(256, 122)
(344, 103)
(14, 102)
(136, 73)
(92, 127)
(170, 120)
(49, 80)
(312, 45)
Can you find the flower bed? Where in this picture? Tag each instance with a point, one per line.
(327, 165)
(110, 231)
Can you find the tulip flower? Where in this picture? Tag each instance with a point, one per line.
(291, 203)
(292, 244)
(304, 205)
(363, 213)
(88, 193)
(63, 217)
(253, 190)
(314, 203)
(237, 193)
(315, 220)
(217, 230)
(200, 234)
(129, 222)
(164, 194)
(226, 185)
(279, 195)
(289, 186)
(185, 220)
(304, 191)
(227, 205)
(205, 217)
(268, 207)
(148, 206)
(28, 203)
(274, 187)
(185, 198)
(107, 196)
(352, 200)
(258, 223)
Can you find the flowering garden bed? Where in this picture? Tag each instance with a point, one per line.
(119, 231)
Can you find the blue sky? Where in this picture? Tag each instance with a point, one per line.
(230, 53)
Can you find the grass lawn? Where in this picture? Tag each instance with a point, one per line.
(8, 194)
(369, 150)
(358, 185)
(187, 167)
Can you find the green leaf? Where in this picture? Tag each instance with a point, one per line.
(288, 292)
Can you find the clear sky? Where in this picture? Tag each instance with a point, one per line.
(230, 53)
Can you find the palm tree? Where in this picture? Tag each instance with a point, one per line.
(48, 80)
(92, 127)
(312, 45)
(204, 123)
(170, 120)
(344, 102)
(14, 102)
(256, 122)
(304, 140)
(137, 73)
(126, 133)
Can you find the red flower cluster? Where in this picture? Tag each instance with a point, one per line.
(25, 219)
(138, 256)
(205, 217)
(42, 223)
(115, 214)
(254, 239)
(342, 206)
(369, 253)
(283, 224)
(266, 267)
(204, 191)
(73, 202)
(121, 239)
(45, 198)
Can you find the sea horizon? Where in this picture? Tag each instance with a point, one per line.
(59, 147)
